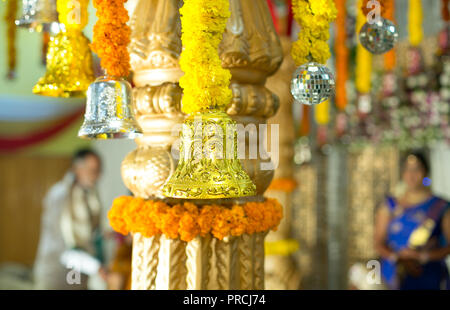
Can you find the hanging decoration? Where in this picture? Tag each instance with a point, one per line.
(378, 35)
(209, 167)
(342, 55)
(69, 59)
(322, 113)
(313, 82)
(187, 220)
(415, 22)
(363, 60)
(10, 16)
(445, 11)
(109, 113)
(38, 15)
(390, 57)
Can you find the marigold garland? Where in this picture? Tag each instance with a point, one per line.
(283, 184)
(305, 124)
(363, 59)
(322, 113)
(314, 17)
(342, 54)
(10, 16)
(367, 9)
(415, 22)
(205, 82)
(112, 36)
(390, 57)
(445, 10)
(187, 221)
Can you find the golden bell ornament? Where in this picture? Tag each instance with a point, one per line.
(38, 15)
(69, 66)
(109, 113)
(209, 167)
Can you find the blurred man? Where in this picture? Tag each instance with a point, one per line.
(70, 220)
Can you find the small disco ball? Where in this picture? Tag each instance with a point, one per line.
(312, 83)
(379, 37)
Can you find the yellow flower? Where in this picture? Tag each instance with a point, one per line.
(314, 18)
(205, 82)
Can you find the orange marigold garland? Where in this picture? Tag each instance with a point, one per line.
(187, 221)
(445, 10)
(112, 36)
(342, 55)
(390, 57)
(283, 184)
(366, 9)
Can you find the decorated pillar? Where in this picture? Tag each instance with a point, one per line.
(193, 243)
(281, 269)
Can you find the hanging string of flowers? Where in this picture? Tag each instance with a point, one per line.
(415, 22)
(312, 82)
(112, 36)
(366, 8)
(445, 10)
(342, 55)
(390, 57)
(314, 18)
(363, 59)
(10, 16)
(187, 220)
(205, 82)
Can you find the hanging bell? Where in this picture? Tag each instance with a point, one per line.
(109, 113)
(209, 167)
(38, 15)
(69, 66)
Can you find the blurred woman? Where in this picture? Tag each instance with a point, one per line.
(412, 232)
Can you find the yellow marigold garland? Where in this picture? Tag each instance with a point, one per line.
(415, 22)
(187, 221)
(314, 18)
(205, 82)
(112, 36)
(363, 70)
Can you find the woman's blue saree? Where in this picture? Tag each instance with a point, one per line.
(416, 227)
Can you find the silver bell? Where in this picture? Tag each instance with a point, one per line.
(38, 15)
(109, 113)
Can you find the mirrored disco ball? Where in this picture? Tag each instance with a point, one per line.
(312, 83)
(379, 37)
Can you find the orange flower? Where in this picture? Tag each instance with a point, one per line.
(116, 215)
(283, 184)
(188, 221)
(112, 36)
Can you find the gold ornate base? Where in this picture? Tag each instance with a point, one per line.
(203, 263)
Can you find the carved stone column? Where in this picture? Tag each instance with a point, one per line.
(252, 52)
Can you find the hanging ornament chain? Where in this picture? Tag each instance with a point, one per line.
(313, 82)
(109, 112)
(112, 36)
(378, 35)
